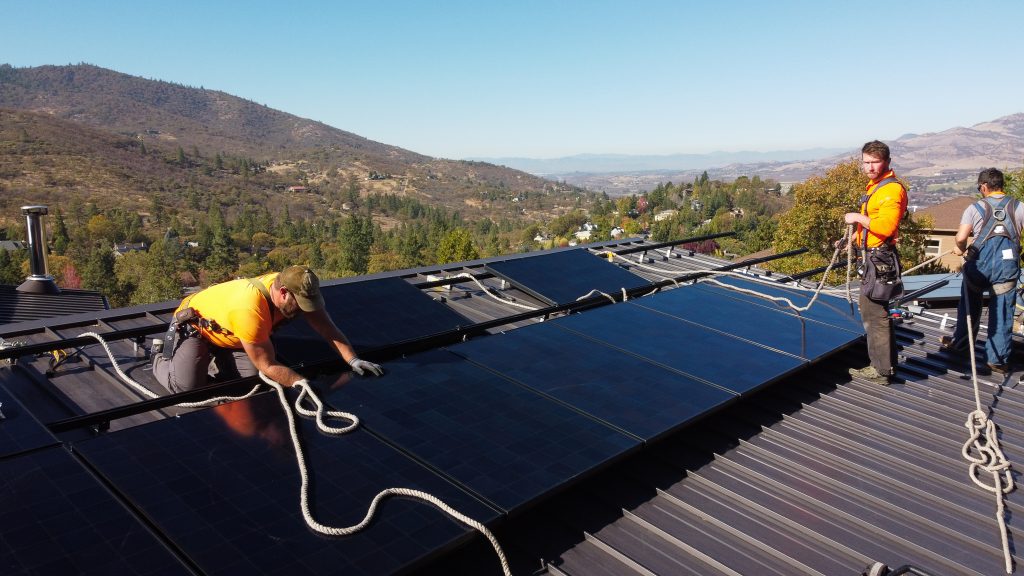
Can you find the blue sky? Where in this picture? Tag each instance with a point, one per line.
(543, 79)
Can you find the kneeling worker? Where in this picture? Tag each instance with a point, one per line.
(232, 322)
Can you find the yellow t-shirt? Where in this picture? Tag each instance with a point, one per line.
(240, 310)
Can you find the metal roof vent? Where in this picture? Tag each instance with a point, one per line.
(39, 281)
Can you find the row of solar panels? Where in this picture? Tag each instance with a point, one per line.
(491, 426)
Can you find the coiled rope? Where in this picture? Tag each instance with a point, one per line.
(300, 458)
(984, 439)
(320, 413)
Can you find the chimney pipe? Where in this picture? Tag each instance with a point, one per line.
(38, 282)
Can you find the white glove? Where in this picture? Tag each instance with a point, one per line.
(362, 366)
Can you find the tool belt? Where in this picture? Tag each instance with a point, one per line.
(186, 323)
(880, 273)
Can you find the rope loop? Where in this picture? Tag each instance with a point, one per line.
(306, 393)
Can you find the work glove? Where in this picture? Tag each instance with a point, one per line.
(362, 366)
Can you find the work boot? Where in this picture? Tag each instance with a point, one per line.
(1002, 369)
(871, 375)
(947, 344)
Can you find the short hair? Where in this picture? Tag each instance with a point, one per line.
(876, 148)
(992, 178)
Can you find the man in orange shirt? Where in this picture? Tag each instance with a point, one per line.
(232, 322)
(882, 208)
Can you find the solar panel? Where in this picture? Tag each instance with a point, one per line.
(223, 485)
(19, 429)
(562, 277)
(55, 518)
(773, 328)
(726, 361)
(372, 313)
(628, 392)
(828, 309)
(502, 441)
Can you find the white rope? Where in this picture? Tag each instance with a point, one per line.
(990, 456)
(926, 262)
(150, 394)
(372, 510)
(319, 412)
(608, 296)
(671, 273)
(849, 263)
(488, 291)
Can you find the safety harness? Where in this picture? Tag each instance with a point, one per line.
(997, 216)
(864, 210)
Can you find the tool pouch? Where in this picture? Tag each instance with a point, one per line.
(880, 275)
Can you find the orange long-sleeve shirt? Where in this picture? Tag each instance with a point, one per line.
(885, 207)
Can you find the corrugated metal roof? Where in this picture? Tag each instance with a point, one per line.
(23, 306)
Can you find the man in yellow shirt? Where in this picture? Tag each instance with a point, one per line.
(877, 223)
(231, 323)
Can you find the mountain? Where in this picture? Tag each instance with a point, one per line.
(607, 163)
(151, 134)
(948, 158)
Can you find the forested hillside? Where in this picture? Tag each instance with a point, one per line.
(196, 186)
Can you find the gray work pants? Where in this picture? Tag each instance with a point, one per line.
(189, 367)
(879, 330)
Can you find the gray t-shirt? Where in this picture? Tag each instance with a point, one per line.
(973, 216)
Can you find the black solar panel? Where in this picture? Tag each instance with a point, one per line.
(562, 277)
(55, 518)
(223, 485)
(828, 309)
(371, 313)
(631, 393)
(19, 429)
(499, 439)
(773, 328)
(726, 361)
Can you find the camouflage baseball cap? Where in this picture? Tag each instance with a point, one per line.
(304, 285)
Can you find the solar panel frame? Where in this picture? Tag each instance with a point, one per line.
(222, 484)
(562, 277)
(771, 327)
(56, 518)
(828, 309)
(20, 431)
(372, 314)
(497, 438)
(682, 346)
(639, 397)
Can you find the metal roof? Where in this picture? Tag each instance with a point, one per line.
(25, 306)
(815, 474)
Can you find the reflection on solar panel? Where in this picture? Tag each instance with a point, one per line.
(723, 360)
(223, 485)
(773, 328)
(371, 313)
(637, 396)
(562, 277)
(502, 441)
(19, 429)
(828, 309)
(55, 518)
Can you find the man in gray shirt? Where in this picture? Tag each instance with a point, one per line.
(992, 264)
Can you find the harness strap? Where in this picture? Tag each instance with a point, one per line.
(994, 213)
(864, 210)
(263, 290)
